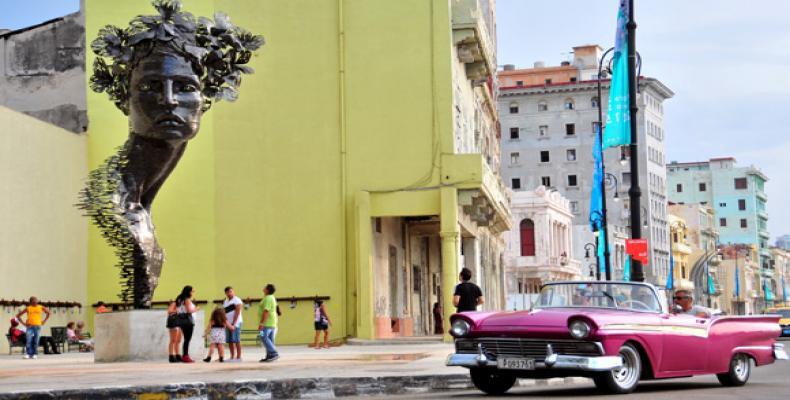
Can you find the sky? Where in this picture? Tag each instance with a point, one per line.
(728, 62)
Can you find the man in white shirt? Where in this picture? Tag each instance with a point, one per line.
(232, 306)
(686, 302)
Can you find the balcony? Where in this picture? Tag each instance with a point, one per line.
(764, 234)
(482, 193)
(761, 195)
(681, 248)
(762, 214)
(470, 34)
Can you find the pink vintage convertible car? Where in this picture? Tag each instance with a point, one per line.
(616, 333)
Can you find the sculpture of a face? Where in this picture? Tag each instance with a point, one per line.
(165, 102)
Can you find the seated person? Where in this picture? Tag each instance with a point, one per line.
(87, 344)
(684, 299)
(71, 336)
(17, 332)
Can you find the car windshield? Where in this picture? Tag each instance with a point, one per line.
(783, 313)
(599, 294)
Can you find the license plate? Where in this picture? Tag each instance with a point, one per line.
(515, 363)
(786, 332)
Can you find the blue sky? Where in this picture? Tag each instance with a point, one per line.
(728, 62)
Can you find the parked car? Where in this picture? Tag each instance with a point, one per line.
(616, 333)
(784, 320)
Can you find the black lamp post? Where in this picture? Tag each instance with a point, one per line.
(594, 247)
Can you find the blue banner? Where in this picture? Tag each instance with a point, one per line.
(596, 204)
(671, 275)
(618, 114)
(769, 296)
(601, 258)
(627, 268)
(784, 290)
(737, 281)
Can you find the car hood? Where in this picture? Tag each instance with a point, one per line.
(546, 317)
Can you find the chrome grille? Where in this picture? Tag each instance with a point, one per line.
(529, 348)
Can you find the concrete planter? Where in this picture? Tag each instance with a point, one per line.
(140, 335)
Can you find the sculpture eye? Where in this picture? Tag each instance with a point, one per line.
(145, 87)
(188, 87)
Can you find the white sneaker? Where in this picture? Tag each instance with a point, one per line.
(26, 356)
(35, 356)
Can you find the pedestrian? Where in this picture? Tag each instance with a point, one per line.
(215, 330)
(185, 321)
(467, 295)
(267, 312)
(33, 325)
(175, 333)
(438, 322)
(321, 323)
(232, 306)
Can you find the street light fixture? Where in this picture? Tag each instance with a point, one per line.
(594, 248)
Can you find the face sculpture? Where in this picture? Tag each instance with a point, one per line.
(165, 102)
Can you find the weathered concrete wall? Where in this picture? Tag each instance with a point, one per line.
(42, 72)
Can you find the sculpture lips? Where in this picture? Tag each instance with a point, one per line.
(170, 120)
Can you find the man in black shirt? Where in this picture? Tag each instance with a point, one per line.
(467, 295)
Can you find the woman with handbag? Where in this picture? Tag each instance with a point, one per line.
(175, 333)
(184, 320)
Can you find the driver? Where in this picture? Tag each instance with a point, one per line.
(684, 299)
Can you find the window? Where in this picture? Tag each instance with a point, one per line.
(568, 104)
(519, 83)
(513, 158)
(527, 228)
(544, 156)
(626, 178)
(543, 130)
(570, 129)
(743, 223)
(679, 188)
(515, 183)
(722, 221)
(548, 81)
(572, 180)
(543, 106)
(575, 207)
(595, 126)
(740, 183)
(514, 108)
(545, 181)
(722, 204)
(570, 154)
(573, 79)
(594, 101)
(702, 187)
(514, 133)
(742, 204)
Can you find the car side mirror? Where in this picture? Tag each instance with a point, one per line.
(676, 309)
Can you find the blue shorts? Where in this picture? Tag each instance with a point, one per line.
(233, 336)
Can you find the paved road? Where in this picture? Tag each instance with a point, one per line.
(768, 382)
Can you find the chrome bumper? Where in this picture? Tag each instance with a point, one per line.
(779, 351)
(552, 361)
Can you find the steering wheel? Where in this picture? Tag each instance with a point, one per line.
(639, 305)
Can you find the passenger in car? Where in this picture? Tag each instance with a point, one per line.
(684, 299)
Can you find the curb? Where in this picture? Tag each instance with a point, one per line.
(302, 388)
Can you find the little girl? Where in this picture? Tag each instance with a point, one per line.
(216, 333)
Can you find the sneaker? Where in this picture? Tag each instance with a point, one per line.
(26, 356)
(172, 358)
(208, 359)
(35, 356)
(186, 359)
(178, 357)
(271, 358)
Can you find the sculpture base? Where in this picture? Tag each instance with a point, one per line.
(140, 335)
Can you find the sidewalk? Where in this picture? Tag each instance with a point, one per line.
(301, 372)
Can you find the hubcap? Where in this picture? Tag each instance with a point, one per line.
(628, 374)
(741, 367)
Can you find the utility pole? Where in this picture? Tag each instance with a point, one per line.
(634, 193)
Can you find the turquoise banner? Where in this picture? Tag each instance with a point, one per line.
(618, 115)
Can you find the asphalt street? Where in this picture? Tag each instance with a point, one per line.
(767, 382)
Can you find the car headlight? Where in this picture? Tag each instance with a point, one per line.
(579, 329)
(460, 328)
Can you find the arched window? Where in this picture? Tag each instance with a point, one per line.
(568, 104)
(594, 102)
(527, 237)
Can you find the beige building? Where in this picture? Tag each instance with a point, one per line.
(681, 251)
(43, 243)
(780, 260)
(743, 298)
(538, 246)
(701, 237)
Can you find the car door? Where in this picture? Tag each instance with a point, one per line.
(685, 343)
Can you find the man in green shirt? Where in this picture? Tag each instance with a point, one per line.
(267, 312)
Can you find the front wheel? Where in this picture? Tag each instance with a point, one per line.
(624, 379)
(490, 381)
(740, 369)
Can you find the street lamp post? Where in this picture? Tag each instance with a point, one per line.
(594, 248)
(635, 193)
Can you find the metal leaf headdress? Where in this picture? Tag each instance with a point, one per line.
(218, 51)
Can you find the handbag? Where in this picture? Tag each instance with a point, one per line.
(183, 319)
